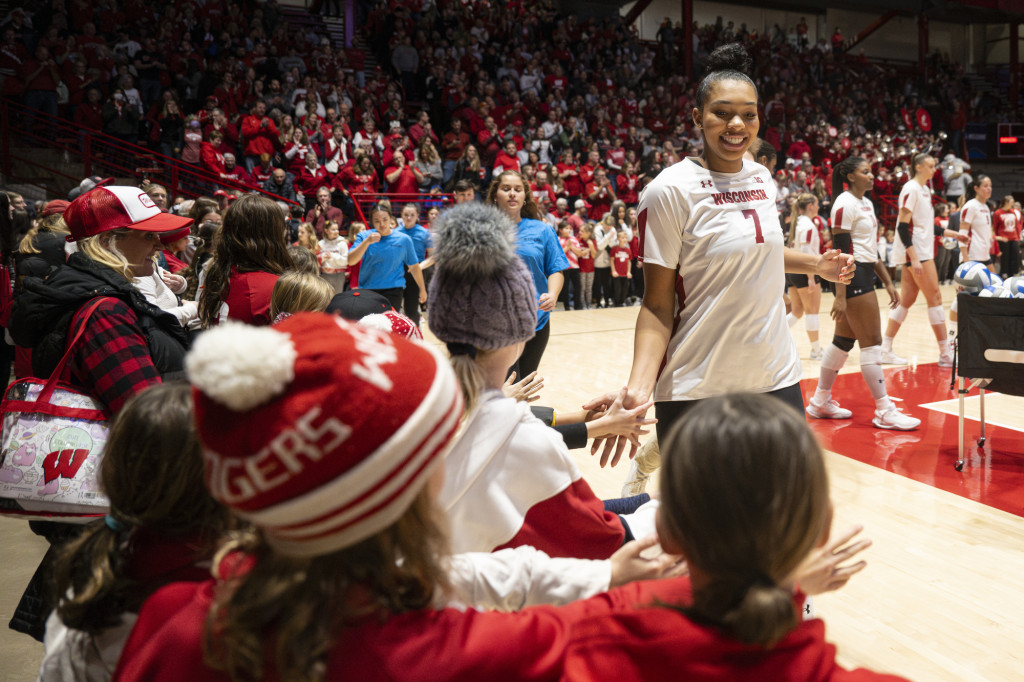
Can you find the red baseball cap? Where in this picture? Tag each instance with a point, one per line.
(171, 237)
(55, 206)
(109, 208)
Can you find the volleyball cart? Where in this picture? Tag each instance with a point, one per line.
(990, 353)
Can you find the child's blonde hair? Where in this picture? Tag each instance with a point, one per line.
(296, 292)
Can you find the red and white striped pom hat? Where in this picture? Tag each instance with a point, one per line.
(319, 431)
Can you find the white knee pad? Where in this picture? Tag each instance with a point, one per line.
(935, 315)
(811, 322)
(898, 315)
(872, 355)
(833, 358)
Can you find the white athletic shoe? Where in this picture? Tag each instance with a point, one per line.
(890, 358)
(817, 355)
(829, 410)
(893, 419)
(946, 359)
(636, 482)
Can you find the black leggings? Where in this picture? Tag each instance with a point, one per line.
(671, 411)
(603, 286)
(571, 287)
(411, 298)
(533, 352)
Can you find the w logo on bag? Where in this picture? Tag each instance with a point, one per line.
(63, 464)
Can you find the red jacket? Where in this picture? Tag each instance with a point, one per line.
(658, 643)
(259, 139)
(445, 645)
(307, 183)
(248, 296)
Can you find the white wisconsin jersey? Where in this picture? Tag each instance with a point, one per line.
(807, 238)
(918, 199)
(858, 217)
(720, 233)
(976, 220)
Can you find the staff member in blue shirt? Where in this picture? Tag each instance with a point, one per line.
(537, 245)
(384, 254)
(421, 241)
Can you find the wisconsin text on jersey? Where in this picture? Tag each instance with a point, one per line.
(740, 197)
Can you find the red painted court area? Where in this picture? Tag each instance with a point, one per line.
(993, 474)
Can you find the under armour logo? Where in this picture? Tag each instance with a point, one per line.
(807, 609)
(705, 184)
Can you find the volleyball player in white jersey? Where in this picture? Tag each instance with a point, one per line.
(915, 246)
(712, 321)
(855, 230)
(976, 223)
(804, 290)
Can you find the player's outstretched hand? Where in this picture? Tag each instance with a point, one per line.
(620, 422)
(836, 266)
(629, 564)
(614, 444)
(527, 390)
(824, 569)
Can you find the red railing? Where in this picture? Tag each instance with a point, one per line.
(364, 202)
(24, 133)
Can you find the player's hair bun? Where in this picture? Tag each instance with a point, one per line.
(730, 57)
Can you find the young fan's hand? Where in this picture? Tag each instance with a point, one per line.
(821, 570)
(526, 390)
(629, 564)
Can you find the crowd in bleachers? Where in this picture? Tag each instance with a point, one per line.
(235, 90)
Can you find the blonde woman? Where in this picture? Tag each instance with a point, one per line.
(307, 238)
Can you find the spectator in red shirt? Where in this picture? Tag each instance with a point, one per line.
(401, 176)
(587, 169)
(89, 114)
(359, 177)
(422, 127)
(212, 158)
(452, 146)
(600, 194)
(507, 159)
(41, 77)
(628, 184)
(260, 134)
(310, 180)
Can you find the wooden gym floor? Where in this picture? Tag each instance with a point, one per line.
(941, 598)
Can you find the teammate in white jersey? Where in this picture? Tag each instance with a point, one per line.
(855, 229)
(714, 260)
(976, 222)
(804, 290)
(915, 246)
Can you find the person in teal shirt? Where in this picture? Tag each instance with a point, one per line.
(384, 254)
(537, 245)
(421, 242)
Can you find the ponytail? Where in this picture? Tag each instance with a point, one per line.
(799, 206)
(88, 577)
(754, 610)
(471, 379)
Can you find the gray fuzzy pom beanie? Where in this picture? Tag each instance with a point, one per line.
(482, 294)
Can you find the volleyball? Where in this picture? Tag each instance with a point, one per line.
(994, 279)
(972, 276)
(995, 292)
(1015, 285)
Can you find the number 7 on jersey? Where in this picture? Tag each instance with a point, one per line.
(752, 214)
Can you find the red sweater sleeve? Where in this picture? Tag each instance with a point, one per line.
(573, 523)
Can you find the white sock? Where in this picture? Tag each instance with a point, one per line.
(944, 347)
(886, 344)
(816, 347)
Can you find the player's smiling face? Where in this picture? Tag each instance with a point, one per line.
(729, 124)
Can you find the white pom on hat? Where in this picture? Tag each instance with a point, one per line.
(241, 366)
